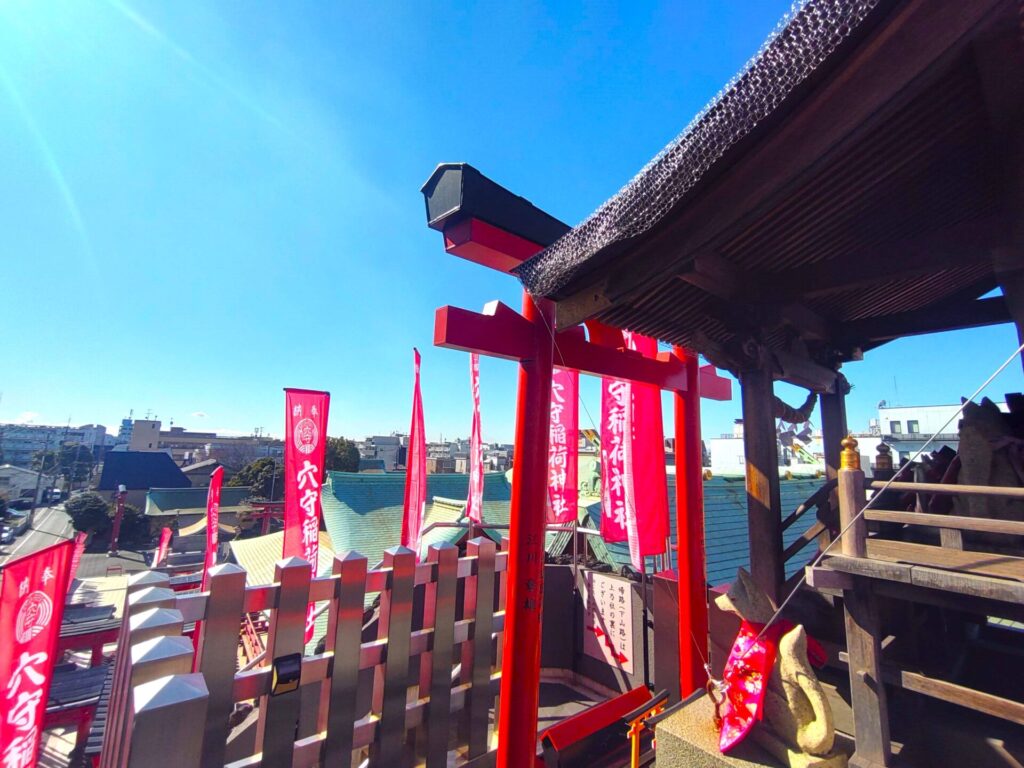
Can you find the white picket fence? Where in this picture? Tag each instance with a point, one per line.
(360, 699)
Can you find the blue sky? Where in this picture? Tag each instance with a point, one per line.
(205, 202)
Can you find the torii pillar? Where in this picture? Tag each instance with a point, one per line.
(457, 192)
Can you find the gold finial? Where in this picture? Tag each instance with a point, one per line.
(850, 456)
(883, 460)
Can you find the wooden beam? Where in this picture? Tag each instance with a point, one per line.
(761, 455)
(970, 314)
(867, 693)
(713, 274)
(804, 372)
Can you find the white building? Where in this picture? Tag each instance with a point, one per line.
(906, 428)
(20, 483)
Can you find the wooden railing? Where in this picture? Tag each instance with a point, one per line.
(825, 519)
(363, 699)
(946, 575)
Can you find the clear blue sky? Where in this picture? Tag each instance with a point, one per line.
(205, 202)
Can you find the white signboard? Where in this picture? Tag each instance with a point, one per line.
(608, 620)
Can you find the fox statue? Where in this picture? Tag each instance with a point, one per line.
(795, 720)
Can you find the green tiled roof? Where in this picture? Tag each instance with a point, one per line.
(363, 512)
(259, 556)
(162, 502)
(725, 526)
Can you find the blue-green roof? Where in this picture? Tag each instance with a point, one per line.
(364, 511)
(727, 542)
(192, 501)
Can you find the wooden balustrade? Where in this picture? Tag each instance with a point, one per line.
(390, 698)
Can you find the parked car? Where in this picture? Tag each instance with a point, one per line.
(6, 533)
(19, 504)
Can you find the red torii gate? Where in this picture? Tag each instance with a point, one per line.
(530, 339)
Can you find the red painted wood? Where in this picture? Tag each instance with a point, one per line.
(690, 551)
(520, 674)
(488, 245)
(713, 386)
(505, 333)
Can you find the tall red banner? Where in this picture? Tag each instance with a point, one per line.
(32, 593)
(634, 490)
(161, 550)
(305, 437)
(563, 447)
(475, 502)
(649, 481)
(213, 523)
(415, 468)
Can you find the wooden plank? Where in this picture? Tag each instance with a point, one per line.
(436, 665)
(389, 744)
(279, 714)
(977, 563)
(762, 476)
(973, 314)
(351, 572)
(957, 522)
(811, 534)
(875, 569)
(867, 693)
(968, 584)
(1006, 709)
(1009, 492)
(217, 656)
(477, 652)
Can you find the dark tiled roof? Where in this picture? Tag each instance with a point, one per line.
(140, 470)
(209, 465)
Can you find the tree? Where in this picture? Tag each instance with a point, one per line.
(341, 455)
(134, 525)
(73, 462)
(89, 512)
(265, 476)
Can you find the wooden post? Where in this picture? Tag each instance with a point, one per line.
(851, 501)
(833, 427)
(691, 554)
(764, 506)
(167, 714)
(863, 641)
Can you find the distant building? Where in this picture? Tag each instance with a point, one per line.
(19, 443)
(440, 465)
(906, 428)
(21, 483)
(145, 435)
(198, 474)
(189, 447)
(390, 449)
(139, 471)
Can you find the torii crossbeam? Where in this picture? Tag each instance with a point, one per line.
(530, 339)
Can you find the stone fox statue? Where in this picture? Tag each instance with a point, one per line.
(795, 717)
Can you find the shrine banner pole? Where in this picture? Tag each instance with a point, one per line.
(690, 553)
(520, 679)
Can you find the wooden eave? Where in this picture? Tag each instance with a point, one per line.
(868, 211)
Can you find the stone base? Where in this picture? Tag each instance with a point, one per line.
(689, 739)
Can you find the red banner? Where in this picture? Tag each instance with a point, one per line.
(305, 437)
(76, 555)
(161, 550)
(32, 593)
(415, 469)
(616, 459)
(563, 447)
(475, 502)
(649, 480)
(213, 523)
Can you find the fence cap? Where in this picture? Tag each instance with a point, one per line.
(850, 457)
(160, 648)
(226, 569)
(169, 691)
(155, 617)
(147, 579)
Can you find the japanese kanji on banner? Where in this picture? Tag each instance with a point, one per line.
(416, 468)
(305, 437)
(563, 447)
(475, 502)
(32, 591)
(162, 547)
(634, 489)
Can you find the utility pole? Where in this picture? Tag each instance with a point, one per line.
(39, 479)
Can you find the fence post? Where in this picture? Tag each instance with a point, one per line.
(436, 664)
(851, 501)
(279, 714)
(167, 715)
(350, 594)
(476, 652)
(217, 656)
(160, 657)
(389, 742)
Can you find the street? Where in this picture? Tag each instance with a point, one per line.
(51, 525)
